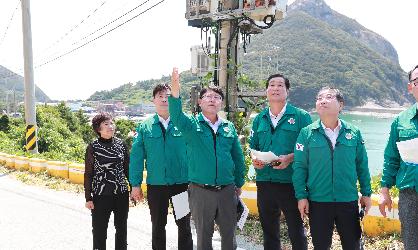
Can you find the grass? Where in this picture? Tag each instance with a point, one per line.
(253, 233)
(252, 230)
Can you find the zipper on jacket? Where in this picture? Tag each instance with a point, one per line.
(332, 162)
(163, 130)
(214, 147)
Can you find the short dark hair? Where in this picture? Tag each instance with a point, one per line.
(98, 119)
(338, 95)
(410, 73)
(286, 81)
(213, 88)
(160, 87)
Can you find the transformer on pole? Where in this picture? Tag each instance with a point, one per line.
(226, 20)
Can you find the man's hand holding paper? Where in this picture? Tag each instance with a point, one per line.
(260, 159)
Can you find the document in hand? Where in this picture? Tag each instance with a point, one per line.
(266, 157)
(181, 205)
(408, 150)
(242, 211)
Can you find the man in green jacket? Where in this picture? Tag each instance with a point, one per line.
(275, 129)
(216, 165)
(161, 146)
(330, 157)
(403, 174)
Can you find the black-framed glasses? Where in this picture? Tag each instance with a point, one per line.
(414, 81)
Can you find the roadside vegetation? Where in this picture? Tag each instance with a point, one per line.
(62, 135)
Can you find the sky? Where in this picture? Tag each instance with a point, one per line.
(150, 45)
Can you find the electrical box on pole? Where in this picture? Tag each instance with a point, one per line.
(201, 62)
(198, 11)
(226, 20)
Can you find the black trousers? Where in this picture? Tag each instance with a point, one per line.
(159, 197)
(345, 215)
(103, 206)
(272, 198)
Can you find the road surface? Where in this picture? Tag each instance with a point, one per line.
(34, 217)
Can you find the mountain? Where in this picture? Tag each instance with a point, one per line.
(315, 46)
(12, 86)
(141, 91)
(320, 10)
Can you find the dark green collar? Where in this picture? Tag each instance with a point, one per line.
(290, 110)
(317, 126)
(411, 112)
(157, 120)
(200, 118)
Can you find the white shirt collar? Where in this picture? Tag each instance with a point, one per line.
(276, 118)
(164, 122)
(215, 125)
(281, 112)
(336, 128)
(332, 134)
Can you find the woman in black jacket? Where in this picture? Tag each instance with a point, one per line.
(106, 182)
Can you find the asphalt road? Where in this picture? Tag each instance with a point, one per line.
(33, 217)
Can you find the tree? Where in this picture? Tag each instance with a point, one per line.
(4, 123)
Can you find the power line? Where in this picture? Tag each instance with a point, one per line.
(107, 32)
(75, 27)
(94, 32)
(8, 25)
(80, 41)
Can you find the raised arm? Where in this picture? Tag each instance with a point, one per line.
(177, 116)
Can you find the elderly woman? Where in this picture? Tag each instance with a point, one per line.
(105, 182)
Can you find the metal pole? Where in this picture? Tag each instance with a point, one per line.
(232, 75)
(223, 54)
(30, 108)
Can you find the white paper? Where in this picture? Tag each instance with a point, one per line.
(244, 215)
(266, 157)
(181, 205)
(408, 150)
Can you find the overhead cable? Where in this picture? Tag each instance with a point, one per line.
(107, 32)
(8, 25)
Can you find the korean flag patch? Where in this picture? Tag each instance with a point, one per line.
(299, 147)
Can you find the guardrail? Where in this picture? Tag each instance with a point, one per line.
(374, 223)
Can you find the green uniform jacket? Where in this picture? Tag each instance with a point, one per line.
(214, 159)
(404, 127)
(280, 140)
(164, 154)
(324, 174)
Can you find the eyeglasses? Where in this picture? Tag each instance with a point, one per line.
(326, 97)
(414, 81)
(162, 96)
(213, 97)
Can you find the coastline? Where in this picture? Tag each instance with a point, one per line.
(370, 108)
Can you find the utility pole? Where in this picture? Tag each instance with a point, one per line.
(30, 108)
(227, 62)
